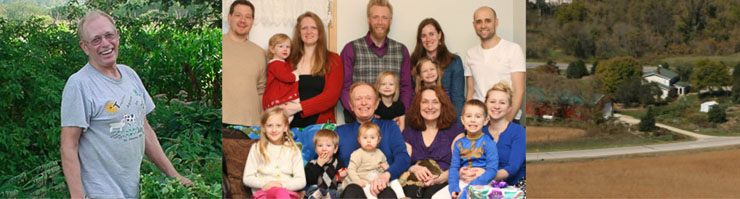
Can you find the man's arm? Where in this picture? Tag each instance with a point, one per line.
(154, 151)
(261, 81)
(71, 161)
(405, 77)
(517, 81)
(470, 89)
(348, 62)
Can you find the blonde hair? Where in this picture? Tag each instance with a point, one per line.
(381, 76)
(326, 134)
(275, 40)
(90, 15)
(382, 3)
(287, 140)
(476, 103)
(417, 74)
(364, 127)
(503, 87)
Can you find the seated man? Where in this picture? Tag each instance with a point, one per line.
(364, 99)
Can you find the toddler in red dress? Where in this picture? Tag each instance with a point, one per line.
(282, 79)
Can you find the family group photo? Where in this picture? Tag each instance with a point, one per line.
(354, 106)
(318, 99)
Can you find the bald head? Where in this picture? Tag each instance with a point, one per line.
(485, 23)
(485, 10)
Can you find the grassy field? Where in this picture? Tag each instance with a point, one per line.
(684, 114)
(704, 174)
(728, 60)
(559, 57)
(565, 135)
(601, 141)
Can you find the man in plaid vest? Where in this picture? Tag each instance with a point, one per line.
(368, 56)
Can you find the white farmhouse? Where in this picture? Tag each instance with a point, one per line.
(667, 79)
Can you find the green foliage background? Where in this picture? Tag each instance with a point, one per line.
(616, 70)
(178, 58)
(710, 74)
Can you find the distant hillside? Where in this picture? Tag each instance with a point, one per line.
(600, 29)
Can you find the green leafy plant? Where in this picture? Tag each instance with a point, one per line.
(43, 181)
(175, 55)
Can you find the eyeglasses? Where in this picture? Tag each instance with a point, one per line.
(111, 37)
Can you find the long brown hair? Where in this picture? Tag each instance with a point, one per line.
(287, 140)
(321, 52)
(447, 110)
(444, 57)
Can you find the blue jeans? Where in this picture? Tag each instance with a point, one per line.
(316, 193)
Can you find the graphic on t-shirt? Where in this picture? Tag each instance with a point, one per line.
(112, 107)
(126, 129)
(473, 152)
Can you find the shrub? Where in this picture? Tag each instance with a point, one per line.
(647, 122)
(576, 70)
(672, 94)
(717, 114)
(38, 56)
(594, 67)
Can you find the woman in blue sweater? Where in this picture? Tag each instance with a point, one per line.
(510, 137)
(430, 44)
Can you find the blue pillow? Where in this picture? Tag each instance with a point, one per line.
(303, 137)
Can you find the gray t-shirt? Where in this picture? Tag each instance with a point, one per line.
(112, 114)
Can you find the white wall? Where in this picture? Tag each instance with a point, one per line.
(455, 17)
(277, 16)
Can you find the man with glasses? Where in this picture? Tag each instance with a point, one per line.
(244, 69)
(105, 132)
(368, 56)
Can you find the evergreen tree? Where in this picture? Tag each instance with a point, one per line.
(576, 70)
(665, 65)
(647, 122)
(736, 84)
(593, 67)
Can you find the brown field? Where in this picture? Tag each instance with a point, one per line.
(537, 134)
(714, 174)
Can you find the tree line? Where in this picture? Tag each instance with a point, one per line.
(642, 29)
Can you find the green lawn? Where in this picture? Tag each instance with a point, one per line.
(605, 135)
(606, 141)
(730, 60)
(685, 114)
